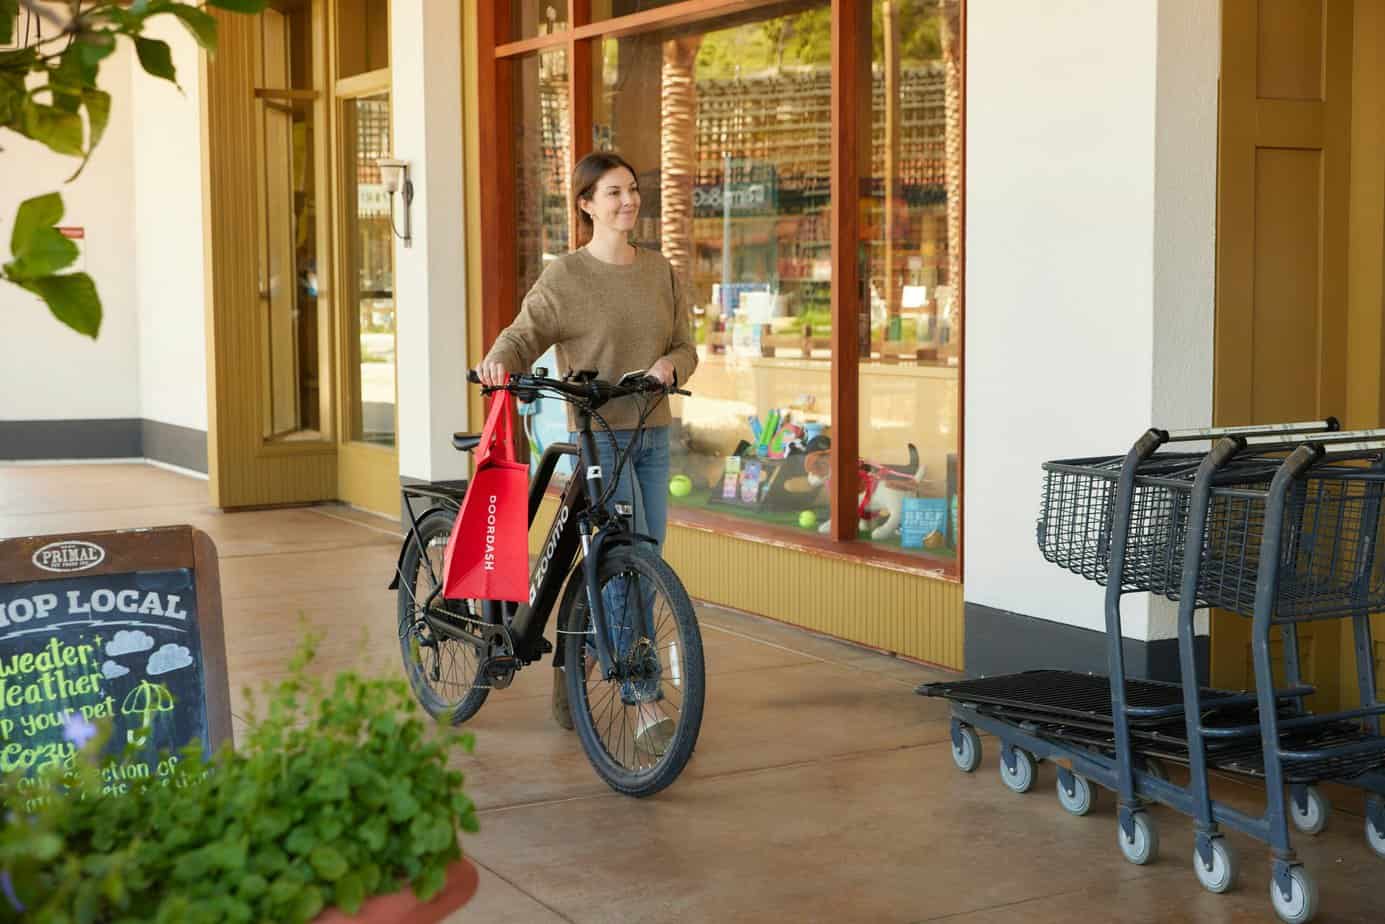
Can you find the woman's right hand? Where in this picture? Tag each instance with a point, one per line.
(492, 374)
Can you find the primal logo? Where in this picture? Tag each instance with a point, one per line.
(69, 555)
(548, 554)
(490, 534)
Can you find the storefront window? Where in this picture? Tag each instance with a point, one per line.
(534, 18)
(728, 121)
(735, 159)
(543, 145)
(911, 224)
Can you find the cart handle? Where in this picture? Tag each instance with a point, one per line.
(1326, 425)
(1276, 441)
(1342, 449)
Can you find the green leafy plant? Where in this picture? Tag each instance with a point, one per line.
(45, 89)
(339, 792)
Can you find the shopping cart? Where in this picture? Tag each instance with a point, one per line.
(1278, 523)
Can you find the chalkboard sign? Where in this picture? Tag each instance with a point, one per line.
(122, 625)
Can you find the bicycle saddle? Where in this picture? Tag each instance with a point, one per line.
(465, 442)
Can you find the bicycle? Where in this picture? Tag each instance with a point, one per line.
(627, 631)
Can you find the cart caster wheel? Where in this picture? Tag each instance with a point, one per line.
(1375, 837)
(1314, 820)
(1302, 903)
(1222, 876)
(1143, 848)
(1021, 779)
(1080, 802)
(966, 750)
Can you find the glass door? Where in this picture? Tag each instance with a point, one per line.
(370, 262)
(368, 461)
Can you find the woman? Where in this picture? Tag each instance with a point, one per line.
(615, 308)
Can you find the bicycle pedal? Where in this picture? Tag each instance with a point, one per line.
(500, 670)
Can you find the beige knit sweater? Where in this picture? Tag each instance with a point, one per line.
(608, 317)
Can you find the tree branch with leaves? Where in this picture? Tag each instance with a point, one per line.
(45, 90)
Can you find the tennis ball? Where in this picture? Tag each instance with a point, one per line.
(680, 486)
(807, 519)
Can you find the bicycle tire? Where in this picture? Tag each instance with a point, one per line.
(434, 526)
(575, 619)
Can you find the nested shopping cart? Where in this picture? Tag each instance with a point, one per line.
(1280, 524)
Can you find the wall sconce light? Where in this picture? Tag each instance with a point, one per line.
(395, 175)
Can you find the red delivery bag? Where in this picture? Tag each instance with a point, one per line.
(488, 551)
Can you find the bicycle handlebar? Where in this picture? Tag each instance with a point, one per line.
(590, 390)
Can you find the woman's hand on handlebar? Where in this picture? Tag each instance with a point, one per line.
(662, 372)
(492, 374)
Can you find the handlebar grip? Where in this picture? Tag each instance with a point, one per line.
(472, 377)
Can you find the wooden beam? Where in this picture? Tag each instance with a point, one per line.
(498, 258)
(581, 58)
(664, 17)
(531, 45)
(851, 113)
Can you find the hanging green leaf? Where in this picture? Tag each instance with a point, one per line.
(72, 299)
(156, 58)
(12, 94)
(39, 212)
(9, 16)
(61, 131)
(93, 47)
(200, 23)
(98, 103)
(44, 253)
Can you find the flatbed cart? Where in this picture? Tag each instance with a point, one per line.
(1139, 524)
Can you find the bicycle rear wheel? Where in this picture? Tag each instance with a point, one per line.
(444, 673)
(638, 733)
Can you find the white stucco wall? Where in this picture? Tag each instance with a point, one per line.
(168, 217)
(1090, 212)
(140, 203)
(430, 275)
(47, 371)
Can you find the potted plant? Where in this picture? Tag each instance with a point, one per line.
(339, 801)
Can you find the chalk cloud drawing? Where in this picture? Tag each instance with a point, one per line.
(129, 642)
(169, 658)
(110, 670)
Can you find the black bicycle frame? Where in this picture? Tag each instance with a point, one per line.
(576, 525)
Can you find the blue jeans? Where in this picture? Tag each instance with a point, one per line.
(643, 485)
(643, 481)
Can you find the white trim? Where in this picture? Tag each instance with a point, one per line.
(135, 460)
(178, 469)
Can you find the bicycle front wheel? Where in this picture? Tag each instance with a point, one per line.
(638, 731)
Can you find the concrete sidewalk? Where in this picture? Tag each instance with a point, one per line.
(822, 789)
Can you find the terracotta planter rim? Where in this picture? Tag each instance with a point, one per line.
(403, 907)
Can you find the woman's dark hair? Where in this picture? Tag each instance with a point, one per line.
(585, 175)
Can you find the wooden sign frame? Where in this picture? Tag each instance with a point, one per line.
(162, 548)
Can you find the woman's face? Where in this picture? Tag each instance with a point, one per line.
(615, 201)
